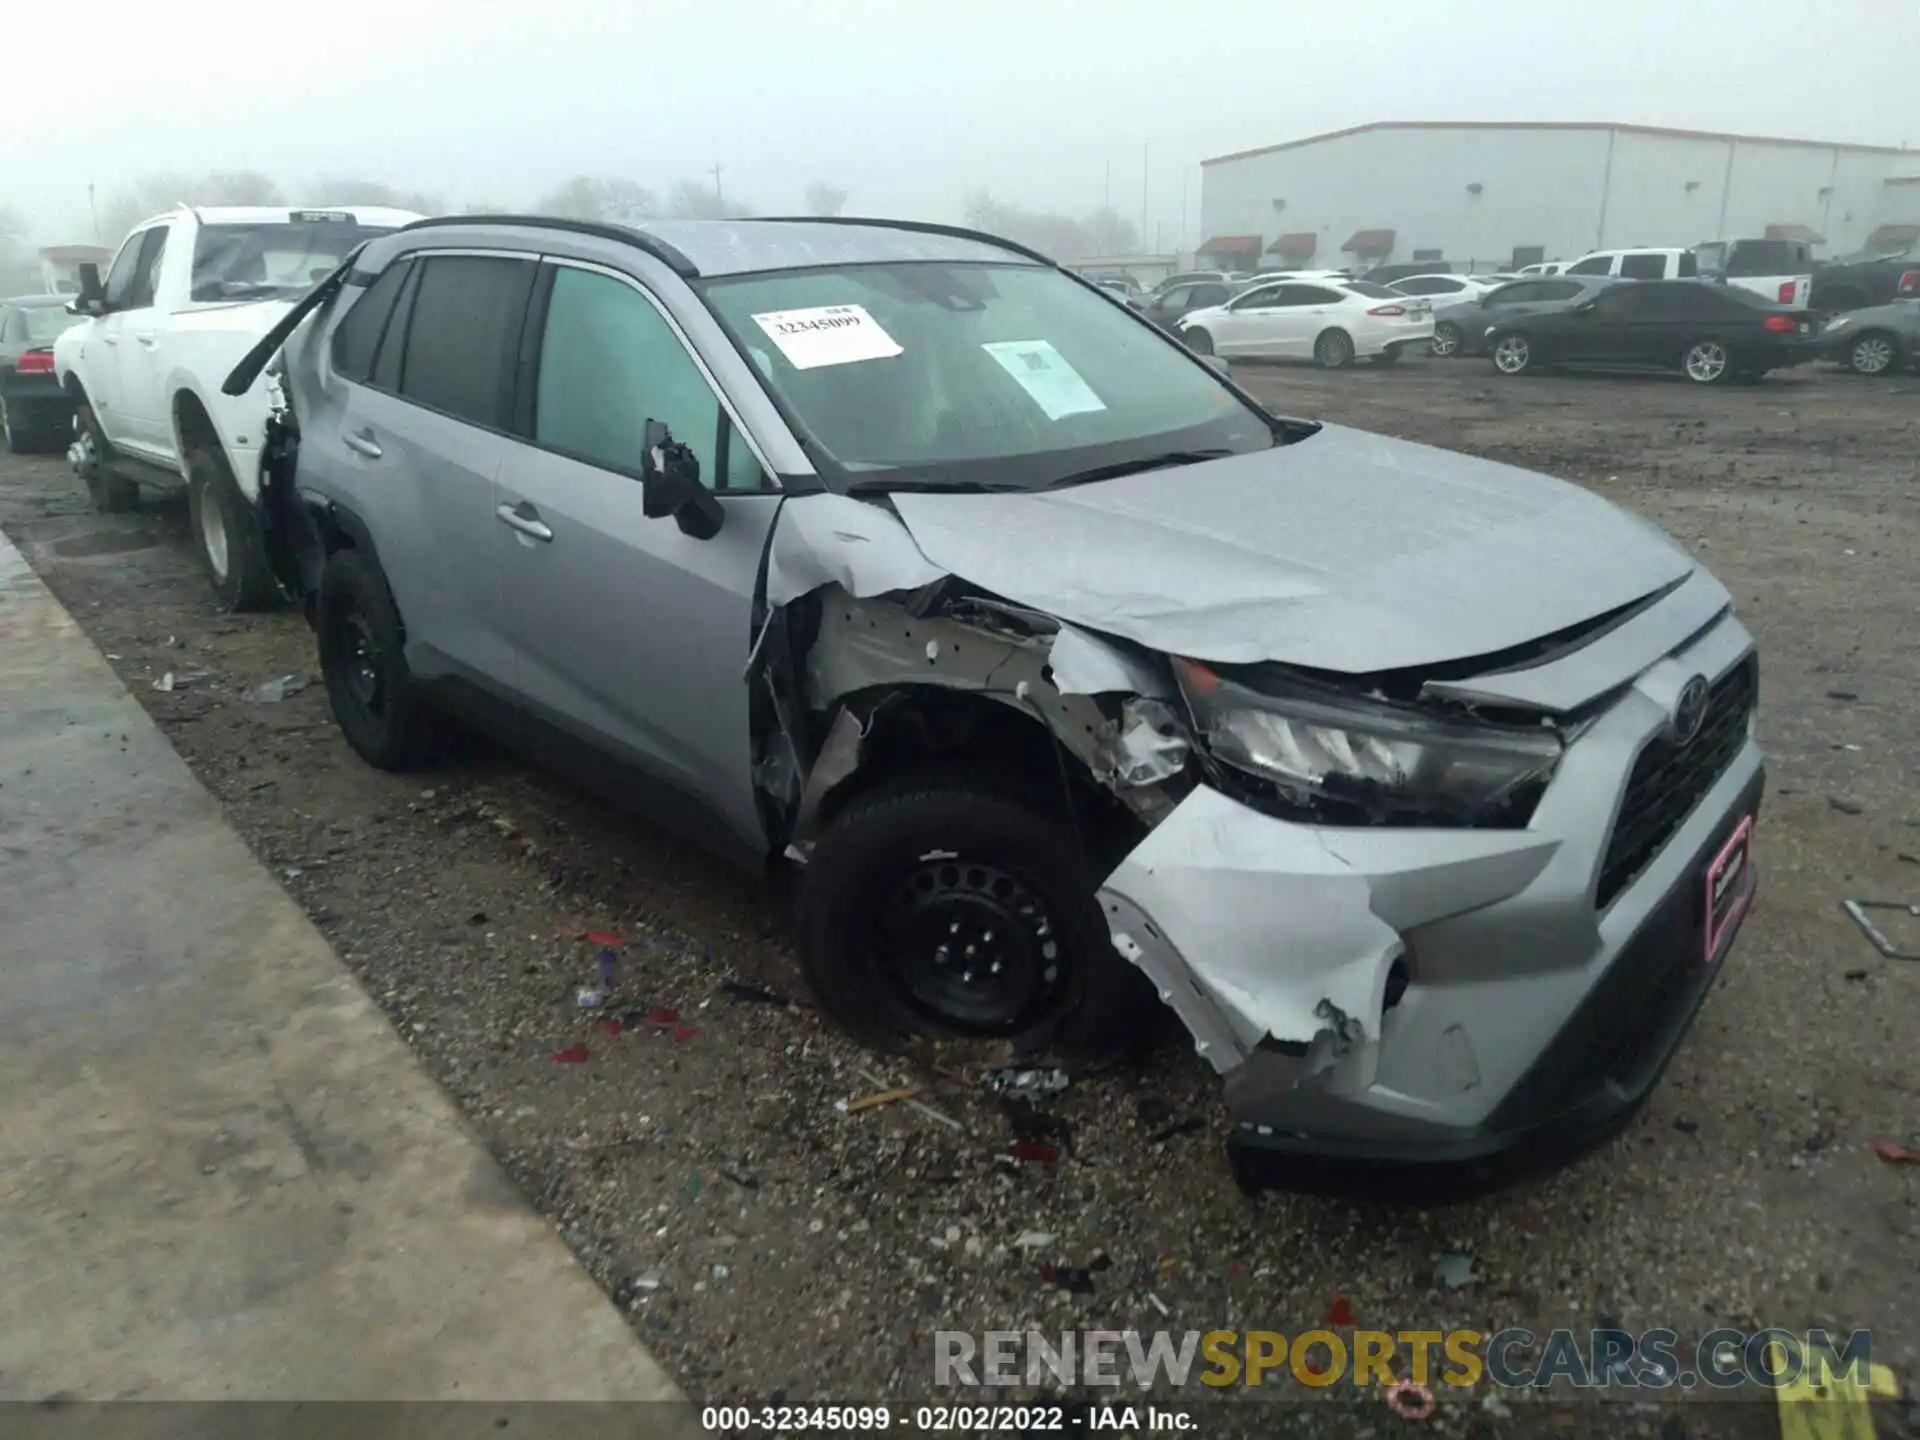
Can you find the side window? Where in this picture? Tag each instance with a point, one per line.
(11, 326)
(1643, 267)
(1210, 294)
(146, 275)
(1592, 265)
(1263, 298)
(463, 335)
(1311, 295)
(609, 362)
(1425, 285)
(1689, 267)
(357, 336)
(1520, 294)
(1617, 301)
(1555, 290)
(119, 281)
(1175, 298)
(391, 353)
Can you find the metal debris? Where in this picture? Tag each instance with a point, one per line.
(1857, 910)
(1026, 1082)
(274, 691)
(1456, 1272)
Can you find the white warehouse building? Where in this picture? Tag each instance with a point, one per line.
(1495, 195)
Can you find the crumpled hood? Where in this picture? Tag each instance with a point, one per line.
(1345, 551)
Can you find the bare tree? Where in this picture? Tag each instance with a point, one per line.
(16, 264)
(609, 199)
(825, 199)
(695, 200)
(1104, 232)
(1111, 233)
(348, 191)
(157, 193)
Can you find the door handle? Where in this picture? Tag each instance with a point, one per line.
(525, 519)
(363, 442)
(109, 339)
(148, 341)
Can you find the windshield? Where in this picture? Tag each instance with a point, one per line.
(975, 373)
(45, 323)
(234, 262)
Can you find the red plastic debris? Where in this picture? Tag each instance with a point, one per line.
(572, 1055)
(663, 1016)
(601, 937)
(1894, 1153)
(1340, 1312)
(1410, 1401)
(684, 1032)
(610, 1027)
(1034, 1153)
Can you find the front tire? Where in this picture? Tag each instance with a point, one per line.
(1513, 355)
(110, 493)
(363, 662)
(1198, 340)
(1707, 362)
(1333, 350)
(1446, 339)
(226, 533)
(1874, 353)
(938, 906)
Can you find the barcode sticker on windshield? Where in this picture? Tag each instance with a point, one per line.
(827, 335)
(1043, 372)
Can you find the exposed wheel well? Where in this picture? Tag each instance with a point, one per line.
(933, 728)
(193, 426)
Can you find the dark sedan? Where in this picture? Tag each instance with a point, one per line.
(1709, 333)
(34, 414)
(1460, 326)
(1165, 307)
(1880, 340)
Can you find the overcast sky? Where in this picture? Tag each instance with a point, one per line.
(907, 103)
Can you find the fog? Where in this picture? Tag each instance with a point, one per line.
(908, 107)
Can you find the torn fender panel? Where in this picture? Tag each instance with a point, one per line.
(1085, 664)
(1273, 920)
(837, 540)
(1344, 551)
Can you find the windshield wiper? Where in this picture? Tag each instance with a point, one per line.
(1118, 468)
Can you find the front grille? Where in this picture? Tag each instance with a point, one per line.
(1667, 782)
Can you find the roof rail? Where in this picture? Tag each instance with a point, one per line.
(666, 254)
(924, 227)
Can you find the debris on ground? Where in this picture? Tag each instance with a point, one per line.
(602, 937)
(1456, 1272)
(876, 1100)
(1340, 1311)
(165, 683)
(1894, 1153)
(1032, 1240)
(588, 998)
(611, 1027)
(1410, 1401)
(740, 990)
(572, 1055)
(1846, 806)
(919, 1106)
(1075, 1280)
(1029, 1083)
(1157, 1303)
(1192, 1124)
(1857, 912)
(1032, 1152)
(1035, 1126)
(274, 691)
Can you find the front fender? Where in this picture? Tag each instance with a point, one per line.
(239, 422)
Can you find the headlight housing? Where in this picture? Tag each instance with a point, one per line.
(1328, 757)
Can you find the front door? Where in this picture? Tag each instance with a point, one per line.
(632, 637)
(106, 337)
(147, 427)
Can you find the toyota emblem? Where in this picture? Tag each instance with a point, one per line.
(1689, 712)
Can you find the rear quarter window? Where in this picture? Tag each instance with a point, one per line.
(357, 336)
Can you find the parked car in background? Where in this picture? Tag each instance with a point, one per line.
(1777, 270)
(1400, 270)
(1665, 263)
(1868, 277)
(1460, 327)
(1710, 333)
(1191, 277)
(1332, 322)
(1879, 340)
(1543, 267)
(1167, 307)
(1440, 289)
(1115, 280)
(1060, 671)
(34, 414)
(189, 293)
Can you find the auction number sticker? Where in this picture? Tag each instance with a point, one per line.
(827, 335)
(1043, 372)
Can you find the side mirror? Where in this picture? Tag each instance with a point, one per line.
(92, 297)
(670, 485)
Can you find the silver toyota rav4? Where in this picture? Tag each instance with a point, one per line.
(1421, 788)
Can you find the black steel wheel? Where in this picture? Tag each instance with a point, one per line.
(363, 662)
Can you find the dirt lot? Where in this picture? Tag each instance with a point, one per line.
(765, 1243)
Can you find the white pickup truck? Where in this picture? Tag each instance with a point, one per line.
(188, 295)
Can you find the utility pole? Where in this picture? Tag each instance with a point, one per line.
(1107, 202)
(1146, 155)
(715, 172)
(94, 211)
(1180, 244)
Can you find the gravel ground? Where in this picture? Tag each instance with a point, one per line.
(764, 1243)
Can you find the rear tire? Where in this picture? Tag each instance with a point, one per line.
(363, 661)
(1446, 339)
(1874, 353)
(110, 493)
(917, 886)
(1707, 361)
(226, 533)
(1198, 341)
(1333, 350)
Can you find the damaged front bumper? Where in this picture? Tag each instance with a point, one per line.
(1440, 996)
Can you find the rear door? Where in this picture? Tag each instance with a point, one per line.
(418, 446)
(632, 637)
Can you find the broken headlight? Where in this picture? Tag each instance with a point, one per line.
(1333, 758)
